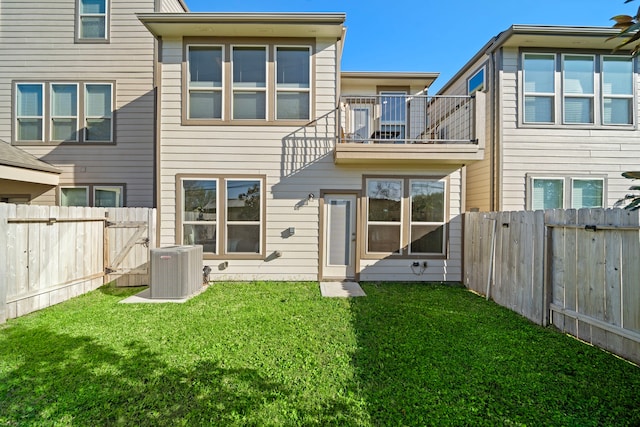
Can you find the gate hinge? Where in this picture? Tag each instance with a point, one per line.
(109, 270)
(110, 223)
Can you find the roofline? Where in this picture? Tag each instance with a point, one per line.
(244, 17)
(184, 5)
(517, 29)
(389, 74)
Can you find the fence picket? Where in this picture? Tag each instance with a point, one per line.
(51, 254)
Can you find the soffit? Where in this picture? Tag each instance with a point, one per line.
(316, 25)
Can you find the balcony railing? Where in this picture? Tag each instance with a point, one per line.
(407, 119)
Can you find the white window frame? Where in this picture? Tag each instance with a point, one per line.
(629, 97)
(567, 188)
(43, 90)
(80, 15)
(591, 96)
(86, 116)
(551, 95)
(442, 223)
(239, 89)
(278, 90)
(559, 95)
(213, 89)
(119, 192)
(52, 117)
(478, 87)
(87, 192)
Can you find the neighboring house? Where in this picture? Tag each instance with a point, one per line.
(77, 102)
(562, 119)
(284, 168)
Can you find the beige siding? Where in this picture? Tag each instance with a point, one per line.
(561, 150)
(170, 6)
(38, 44)
(296, 161)
(478, 188)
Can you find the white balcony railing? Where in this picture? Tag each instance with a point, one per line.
(407, 119)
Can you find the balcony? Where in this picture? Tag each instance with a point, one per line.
(410, 129)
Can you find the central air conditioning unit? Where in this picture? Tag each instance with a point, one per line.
(176, 271)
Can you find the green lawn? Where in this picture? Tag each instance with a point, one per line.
(277, 354)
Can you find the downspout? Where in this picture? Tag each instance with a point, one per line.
(496, 143)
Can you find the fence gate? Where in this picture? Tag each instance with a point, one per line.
(126, 251)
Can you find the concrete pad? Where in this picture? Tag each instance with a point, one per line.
(341, 289)
(144, 297)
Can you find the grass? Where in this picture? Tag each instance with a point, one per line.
(277, 354)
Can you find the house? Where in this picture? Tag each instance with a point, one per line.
(77, 102)
(286, 168)
(561, 119)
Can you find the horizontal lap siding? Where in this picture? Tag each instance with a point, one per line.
(296, 161)
(478, 189)
(38, 44)
(565, 151)
(170, 6)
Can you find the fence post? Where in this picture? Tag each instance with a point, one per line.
(4, 270)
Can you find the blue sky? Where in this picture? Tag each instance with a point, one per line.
(428, 35)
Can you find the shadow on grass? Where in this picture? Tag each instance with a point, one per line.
(436, 355)
(75, 380)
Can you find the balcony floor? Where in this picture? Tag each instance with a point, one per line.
(408, 154)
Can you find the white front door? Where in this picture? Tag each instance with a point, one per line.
(339, 236)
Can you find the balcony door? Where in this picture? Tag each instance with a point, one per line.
(393, 118)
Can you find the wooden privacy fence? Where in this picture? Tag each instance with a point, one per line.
(50, 254)
(576, 269)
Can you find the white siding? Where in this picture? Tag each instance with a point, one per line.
(560, 150)
(38, 43)
(296, 161)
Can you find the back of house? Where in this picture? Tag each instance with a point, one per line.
(77, 102)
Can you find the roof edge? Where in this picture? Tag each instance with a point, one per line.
(245, 17)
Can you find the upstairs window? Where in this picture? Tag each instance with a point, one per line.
(61, 120)
(246, 84)
(583, 90)
(92, 20)
(293, 83)
(249, 83)
(205, 82)
(617, 90)
(539, 88)
(476, 82)
(578, 88)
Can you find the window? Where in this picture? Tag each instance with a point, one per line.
(591, 90)
(108, 196)
(578, 88)
(223, 214)
(293, 80)
(249, 82)
(74, 196)
(234, 83)
(566, 193)
(64, 112)
(92, 20)
(29, 112)
(617, 90)
(384, 215)
(205, 82)
(539, 88)
(62, 120)
(476, 82)
(98, 124)
(406, 216)
(427, 217)
(100, 196)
